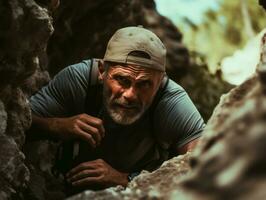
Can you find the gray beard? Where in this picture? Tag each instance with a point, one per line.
(120, 116)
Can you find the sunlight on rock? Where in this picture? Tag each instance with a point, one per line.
(242, 65)
(229, 175)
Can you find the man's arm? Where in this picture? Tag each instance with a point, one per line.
(89, 129)
(53, 104)
(96, 172)
(81, 126)
(177, 116)
(187, 147)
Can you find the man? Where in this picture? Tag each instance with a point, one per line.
(123, 113)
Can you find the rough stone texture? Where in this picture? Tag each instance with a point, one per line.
(231, 160)
(15, 118)
(204, 89)
(25, 29)
(82, 31)
(43, 185)
(229, 163)
(154, 185)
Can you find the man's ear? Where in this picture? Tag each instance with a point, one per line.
(101, 69)
(163, 79)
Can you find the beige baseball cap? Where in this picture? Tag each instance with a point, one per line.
(137, 46)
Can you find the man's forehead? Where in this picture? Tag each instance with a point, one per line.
(134, 70)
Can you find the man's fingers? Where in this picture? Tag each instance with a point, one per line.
(94, 132)
(86, 181)
(89, 165)
(83, 174)
(87, 137)
(79, 168)
(93, 121)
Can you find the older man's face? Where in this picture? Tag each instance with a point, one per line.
(129, 91)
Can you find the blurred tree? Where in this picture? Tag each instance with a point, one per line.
(224, 30)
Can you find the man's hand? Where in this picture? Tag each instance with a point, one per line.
(96, 172)
(81, 126)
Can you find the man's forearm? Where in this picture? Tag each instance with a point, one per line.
(82, 126)
(50, 127)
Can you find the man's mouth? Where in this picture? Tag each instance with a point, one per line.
(127, 107)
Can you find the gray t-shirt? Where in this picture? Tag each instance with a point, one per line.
(171, 123)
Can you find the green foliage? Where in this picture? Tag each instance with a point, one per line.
(224, 30)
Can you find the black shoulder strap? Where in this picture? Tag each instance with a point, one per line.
(93, 99)
(68, 152)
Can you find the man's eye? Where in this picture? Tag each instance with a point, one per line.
(122, 80)
(144, 84)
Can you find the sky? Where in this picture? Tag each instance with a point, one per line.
(192, 9)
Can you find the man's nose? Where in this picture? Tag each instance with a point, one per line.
(130, 94)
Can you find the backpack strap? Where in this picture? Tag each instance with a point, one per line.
(69, 150)
(93, 101)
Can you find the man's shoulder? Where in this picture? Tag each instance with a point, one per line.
(175, 116)
(168, 95)
(81, 68)
(78, 73)
(172, 90)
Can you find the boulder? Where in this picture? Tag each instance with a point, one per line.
(25, 29)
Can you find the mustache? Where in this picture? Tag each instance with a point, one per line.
(129, 104)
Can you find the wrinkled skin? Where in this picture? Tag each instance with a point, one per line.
(129, 91)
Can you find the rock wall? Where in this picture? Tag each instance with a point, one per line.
(25, 29)
(82, 30)
(230, 161)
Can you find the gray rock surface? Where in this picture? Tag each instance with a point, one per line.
(148, 185)
(25, 29)
(230, 163)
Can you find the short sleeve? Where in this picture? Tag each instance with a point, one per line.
(177, 120)
(65, 93)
